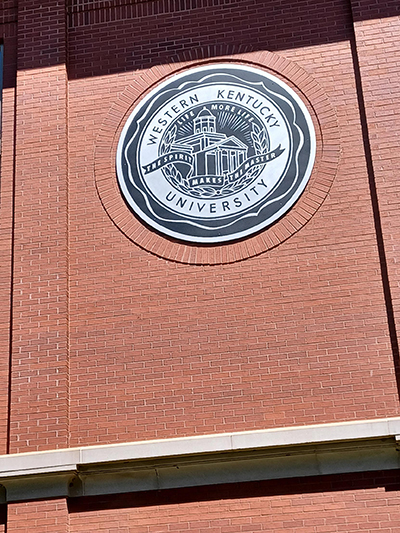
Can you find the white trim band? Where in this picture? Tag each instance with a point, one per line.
(357, 446)
(71, 459)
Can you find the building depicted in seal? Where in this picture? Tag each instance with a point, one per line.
(215, 154)
(199, 358)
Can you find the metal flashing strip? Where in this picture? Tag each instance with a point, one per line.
(203, 460)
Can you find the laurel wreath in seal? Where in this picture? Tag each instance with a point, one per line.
(170, 171)
(260, 145)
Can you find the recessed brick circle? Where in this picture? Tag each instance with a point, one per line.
(324, 171)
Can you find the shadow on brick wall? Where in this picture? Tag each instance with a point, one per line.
(144, 34)
(389, 480)
(144, 40)
(125, 35)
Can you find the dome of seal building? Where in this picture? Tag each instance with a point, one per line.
(205, 113)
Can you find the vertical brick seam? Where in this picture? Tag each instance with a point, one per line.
(8, 35)
(376, 51)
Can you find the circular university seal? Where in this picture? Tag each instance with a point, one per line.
(216, 153)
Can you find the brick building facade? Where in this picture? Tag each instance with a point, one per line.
(154, 385)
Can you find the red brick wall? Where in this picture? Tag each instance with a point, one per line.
(44, 516)
(158, 348)
(297, 335)
(110, 342)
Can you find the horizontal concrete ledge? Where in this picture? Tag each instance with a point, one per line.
(200, 460)
(71, 459)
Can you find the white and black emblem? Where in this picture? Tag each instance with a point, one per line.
(216, 153)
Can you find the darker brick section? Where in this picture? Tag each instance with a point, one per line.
(374, 9)
(8, 4)
(162, 29)
(3, 518)
(41, 28)
(89, 5)
(8, 11)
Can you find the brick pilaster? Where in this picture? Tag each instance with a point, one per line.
(376, 25)
(39, 415)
